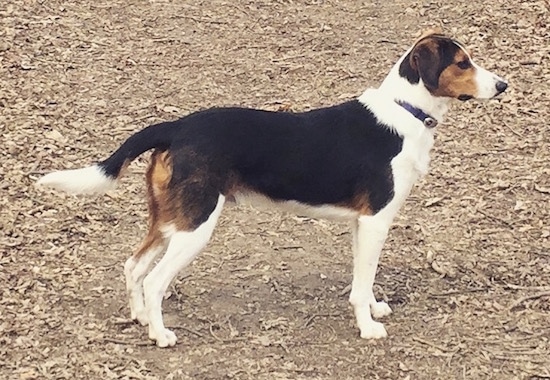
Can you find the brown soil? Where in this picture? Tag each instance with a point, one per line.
(466, 268)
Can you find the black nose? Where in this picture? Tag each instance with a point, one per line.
(501, 86)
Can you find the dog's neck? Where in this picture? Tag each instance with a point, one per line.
(401, 90)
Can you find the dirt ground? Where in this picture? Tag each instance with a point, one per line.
(466, 267)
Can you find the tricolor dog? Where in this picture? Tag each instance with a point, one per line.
(356, 161)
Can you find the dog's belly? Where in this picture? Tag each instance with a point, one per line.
(324, 211)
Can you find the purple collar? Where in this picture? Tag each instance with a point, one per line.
(429, 122)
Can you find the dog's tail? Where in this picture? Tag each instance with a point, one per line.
(101, 177)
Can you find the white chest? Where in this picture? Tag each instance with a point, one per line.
(412, 162)
(416, 151)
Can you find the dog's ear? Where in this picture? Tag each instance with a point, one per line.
(430, 32)
(424, 59)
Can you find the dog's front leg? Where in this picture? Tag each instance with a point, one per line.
(369, 235)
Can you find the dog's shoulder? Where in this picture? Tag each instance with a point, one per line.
(387, 112)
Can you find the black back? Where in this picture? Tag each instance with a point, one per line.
(324, 156)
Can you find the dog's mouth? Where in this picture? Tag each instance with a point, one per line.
(464, 97)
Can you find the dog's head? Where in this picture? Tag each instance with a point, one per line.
(446, 69)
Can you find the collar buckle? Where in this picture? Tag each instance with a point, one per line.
(430, 122)
(427, 120)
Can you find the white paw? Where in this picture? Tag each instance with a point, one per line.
(166, 338)
(373, 330)
(140, 316)
(380, 309)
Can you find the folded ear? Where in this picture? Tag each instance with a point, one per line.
(429, 32)
(425, 60)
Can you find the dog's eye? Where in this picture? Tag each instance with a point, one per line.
(463, 65)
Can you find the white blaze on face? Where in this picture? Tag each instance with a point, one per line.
(487, 83)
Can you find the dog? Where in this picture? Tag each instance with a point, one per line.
(356, 161)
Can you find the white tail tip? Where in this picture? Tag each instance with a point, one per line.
(90, 180)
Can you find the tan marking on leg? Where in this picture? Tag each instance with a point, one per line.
(156, 179)
(153, 239)
(160, 172)
(360, 202)
(162, 200)
(178, 204)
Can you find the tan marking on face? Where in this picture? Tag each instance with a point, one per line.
(455, 81)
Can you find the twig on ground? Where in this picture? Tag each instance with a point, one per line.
(496, 218)
(313, 316)
(521, 287)
(513, 130)
(540, 189)
(520, 359)
(32, 170)
(200, 335)
(345, 291)
(455, 292)
(287, 247)
(222, 340)
(499, 342)
(427, 343)
(527, 298)
(127, 343)
(124, 322)
(537, 376)
(203, 19)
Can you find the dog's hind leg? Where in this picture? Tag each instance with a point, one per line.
(183, 247)
(136, 267)
(370, 233)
